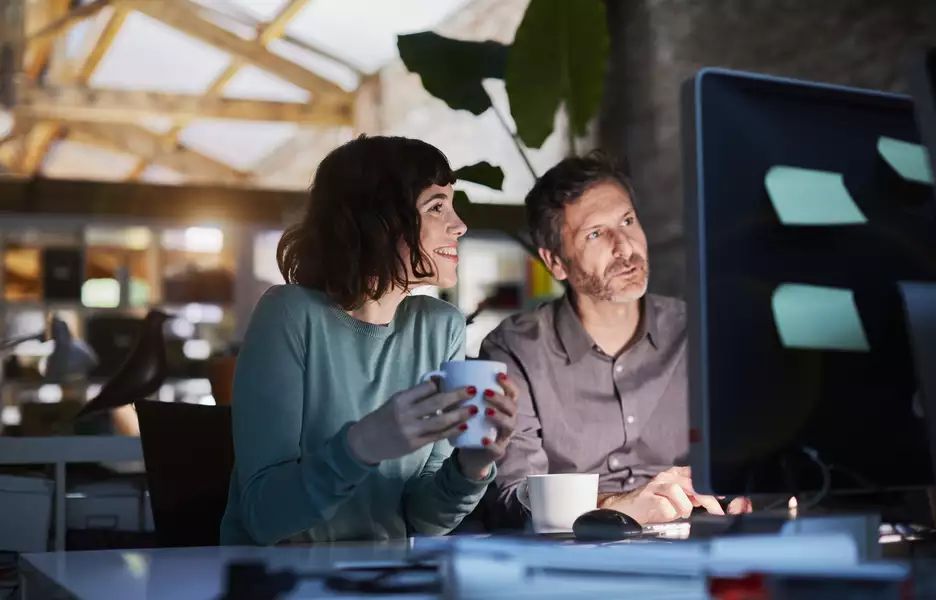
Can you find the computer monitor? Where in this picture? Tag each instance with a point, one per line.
(803, 210)
(922, 83)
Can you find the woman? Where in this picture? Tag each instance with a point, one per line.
(332, 440)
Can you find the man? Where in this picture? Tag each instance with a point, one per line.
(602, 370)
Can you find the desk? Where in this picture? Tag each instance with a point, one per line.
(478, 569)
(186, 573)
(62, 450)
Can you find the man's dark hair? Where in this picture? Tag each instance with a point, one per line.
(564, 184)
(362, 205)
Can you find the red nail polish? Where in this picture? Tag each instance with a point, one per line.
(463, 427)
(489, 393)
(473, 410)
(471, 390)
(501, 376)
(485, 441)
(489, 412)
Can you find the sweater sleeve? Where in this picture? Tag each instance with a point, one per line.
(283, 489)
(437, 499)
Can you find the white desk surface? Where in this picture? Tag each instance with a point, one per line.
(190, 573)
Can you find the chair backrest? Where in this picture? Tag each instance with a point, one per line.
(189, 454)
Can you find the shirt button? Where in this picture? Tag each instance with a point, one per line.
(630, 419)
(614, 463)
(631, 481)
(619, 368)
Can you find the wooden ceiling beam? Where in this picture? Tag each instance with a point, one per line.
(36, 146)
(39, 141)
(39, 51)
(104, 42)
(191, 203)
(268, 32)
(139, 141)
(185, 204)
(74, 16)
(80, 103)
(185, 16)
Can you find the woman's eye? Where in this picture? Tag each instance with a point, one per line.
(592, 235)
(629, 221)
(436, 208)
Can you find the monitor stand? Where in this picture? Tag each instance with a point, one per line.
(919, 301)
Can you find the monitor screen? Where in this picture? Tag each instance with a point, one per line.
(805, 204)
(922, 82)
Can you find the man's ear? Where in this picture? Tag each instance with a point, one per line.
(554, 264)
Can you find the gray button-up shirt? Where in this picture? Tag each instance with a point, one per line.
(582, 411)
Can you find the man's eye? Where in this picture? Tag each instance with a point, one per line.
(629, 221)
(592, 235)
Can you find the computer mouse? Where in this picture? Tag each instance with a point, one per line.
(605, 524)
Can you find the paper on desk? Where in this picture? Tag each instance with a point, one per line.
(911, 161)
(809, 197)
(818, 318)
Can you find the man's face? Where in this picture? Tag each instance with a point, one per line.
(604, 248)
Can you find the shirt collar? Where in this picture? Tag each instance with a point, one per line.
(577, 342)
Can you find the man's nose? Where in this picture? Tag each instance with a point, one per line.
(623, 248)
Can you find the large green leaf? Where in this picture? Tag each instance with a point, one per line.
(482, 173)
(558, 56)
(452, 70)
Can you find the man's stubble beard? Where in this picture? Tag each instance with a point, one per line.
(599, 288)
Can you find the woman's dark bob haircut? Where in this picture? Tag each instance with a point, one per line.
(361, 212)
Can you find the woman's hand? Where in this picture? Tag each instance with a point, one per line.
(408, 421)
(502, 413)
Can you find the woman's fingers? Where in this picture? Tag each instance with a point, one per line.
(500, 403)
(510, 390)
(504, 423)
(440, 402)
(438, 423)
(445, 433)
(414, 395)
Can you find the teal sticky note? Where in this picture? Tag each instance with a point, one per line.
(809, 197)
(911, 161)
(818, 318)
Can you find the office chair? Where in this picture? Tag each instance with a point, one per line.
(189, 454)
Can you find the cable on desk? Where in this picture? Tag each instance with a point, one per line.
(826, 480)
(823, 491)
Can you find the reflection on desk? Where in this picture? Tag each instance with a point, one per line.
(192, 573)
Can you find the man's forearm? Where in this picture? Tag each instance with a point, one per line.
(609, 499)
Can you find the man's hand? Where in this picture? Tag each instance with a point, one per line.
(740, 506)
(667, 497)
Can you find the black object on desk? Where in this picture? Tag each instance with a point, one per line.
(141, 374)
(254, 581)
(605, 525)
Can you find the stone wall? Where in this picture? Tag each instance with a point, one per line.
(656, 44)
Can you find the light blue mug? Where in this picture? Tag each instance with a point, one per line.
(482, 374)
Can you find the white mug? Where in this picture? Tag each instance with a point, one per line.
(482, 374)
(555, 501)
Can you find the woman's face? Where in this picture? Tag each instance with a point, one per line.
(439, 234)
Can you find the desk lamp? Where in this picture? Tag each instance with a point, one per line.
(71, 358)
